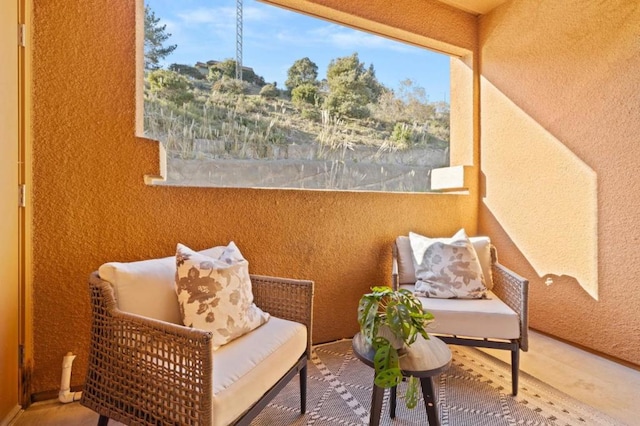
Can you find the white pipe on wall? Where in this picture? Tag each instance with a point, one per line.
(65, 395)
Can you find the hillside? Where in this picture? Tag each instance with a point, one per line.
(274, 142)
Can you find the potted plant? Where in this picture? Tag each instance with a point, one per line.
(389, 320)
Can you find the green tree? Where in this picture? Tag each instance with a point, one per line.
(155, 35)
(372, 84)
(351, 87)
(303, 71)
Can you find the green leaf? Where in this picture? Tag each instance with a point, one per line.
(411, 395)
(368, 317)
(388, 378)
(422, 316)
(386, 357)
(405, 317)
(393, 319)
(381, 290)
(379, 342)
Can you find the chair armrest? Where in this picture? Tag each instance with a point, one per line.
(141, 368)
(395, 283)
(513, 290)
(286, 298)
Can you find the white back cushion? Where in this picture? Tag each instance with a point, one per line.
(407, 272)
(147, 287)
(215, 293)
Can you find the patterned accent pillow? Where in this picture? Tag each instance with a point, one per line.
(447, 268)
(215, 293)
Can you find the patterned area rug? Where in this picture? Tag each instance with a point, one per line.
(474, 391)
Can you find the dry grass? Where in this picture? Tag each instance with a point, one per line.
(249, 126)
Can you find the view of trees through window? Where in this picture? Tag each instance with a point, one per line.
(333, 125)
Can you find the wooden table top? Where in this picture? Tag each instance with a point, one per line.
(424, 358)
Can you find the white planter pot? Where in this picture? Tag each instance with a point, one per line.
(385, 331)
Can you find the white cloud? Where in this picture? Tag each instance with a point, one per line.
(222, 16)
(262, 24)
(348, 38)
(172, 26)
(336, 37)
(219, 16)
(256, 14)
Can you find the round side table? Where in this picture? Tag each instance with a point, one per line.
(424, 359)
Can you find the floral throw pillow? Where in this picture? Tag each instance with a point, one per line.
(447, 268)
(215, 294)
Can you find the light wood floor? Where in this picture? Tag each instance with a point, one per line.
(610, 387)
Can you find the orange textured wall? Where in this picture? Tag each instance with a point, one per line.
(91, 205)
(423, 22)
(560, 112)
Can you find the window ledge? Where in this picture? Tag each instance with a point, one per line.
(451, 179)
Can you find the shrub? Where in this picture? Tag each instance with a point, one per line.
(187, 70)
(230, 85)
(305, 93)
(346, 104)
(312, 114)
(202, 85)
(401, 135)
(171, 86)
(269, 91)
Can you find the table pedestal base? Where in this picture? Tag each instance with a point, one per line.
(424, 359)
(429, 402)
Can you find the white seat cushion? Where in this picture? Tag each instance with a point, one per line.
(247, 367)
(485, 318)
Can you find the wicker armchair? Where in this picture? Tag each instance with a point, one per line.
(502, 323)
(145, 371)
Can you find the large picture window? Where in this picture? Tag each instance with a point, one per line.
(244, 94)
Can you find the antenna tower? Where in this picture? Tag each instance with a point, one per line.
(239, 39)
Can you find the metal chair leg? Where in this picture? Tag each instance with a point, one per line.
(303, 389)
(515, 369)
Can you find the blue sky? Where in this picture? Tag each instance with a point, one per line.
(274, 38)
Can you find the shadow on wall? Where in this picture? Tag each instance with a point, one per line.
(540, 193)
(547, 303)
(560, 280)
(518, 262)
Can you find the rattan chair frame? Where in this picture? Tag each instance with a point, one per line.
(143, 371)
(513, 290)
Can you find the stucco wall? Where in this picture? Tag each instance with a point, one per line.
(560, 110)
(91, 204)
(423, 22)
